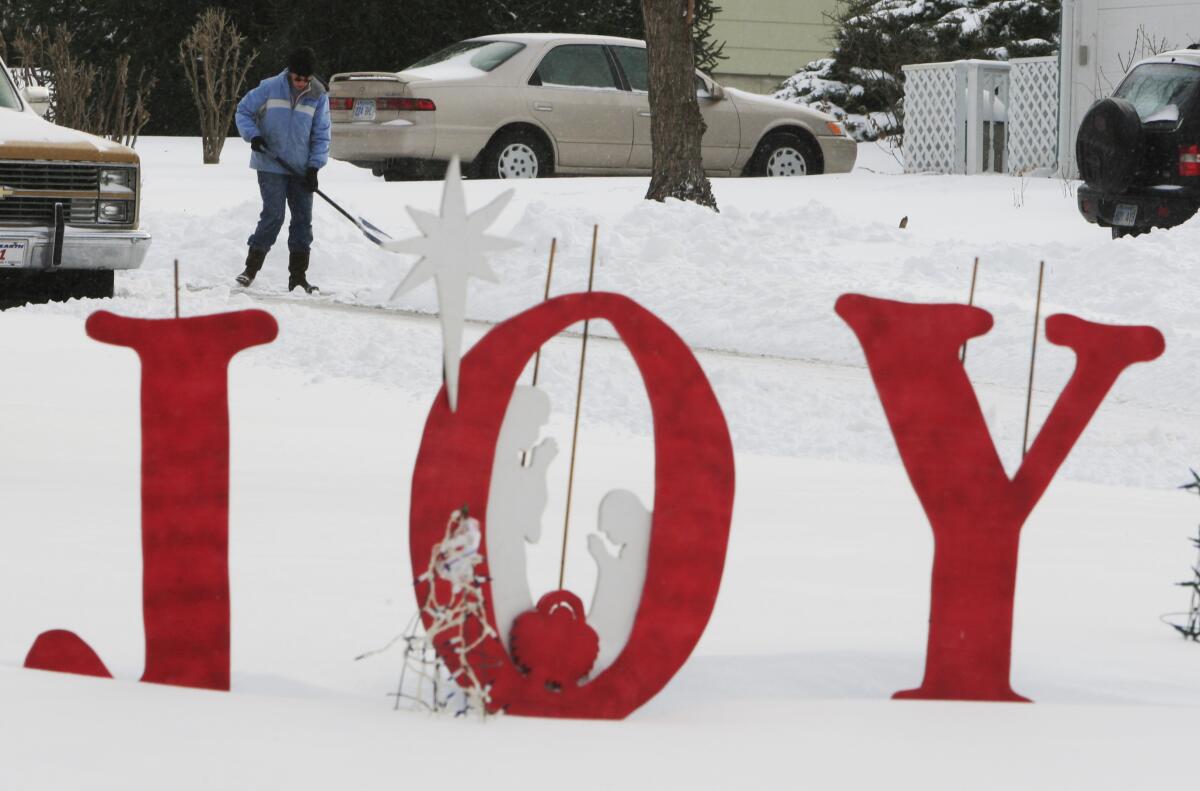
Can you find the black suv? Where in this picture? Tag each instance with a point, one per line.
(1139, 150)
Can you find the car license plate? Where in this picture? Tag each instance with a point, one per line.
(364, 110)
(12, 252)
(1126, 214)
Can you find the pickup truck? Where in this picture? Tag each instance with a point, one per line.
(68, 205)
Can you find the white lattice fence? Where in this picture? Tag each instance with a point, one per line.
(975, 116)
(1033, 114)
(932, 138)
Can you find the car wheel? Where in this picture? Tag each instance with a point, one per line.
(517, 154)
(786, 154)
(1107, 146)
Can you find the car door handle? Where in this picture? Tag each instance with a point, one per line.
(543, 107)
(645, 114)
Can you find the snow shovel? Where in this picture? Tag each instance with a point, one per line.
(368, 228)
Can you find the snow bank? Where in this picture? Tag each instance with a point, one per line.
(757, 280)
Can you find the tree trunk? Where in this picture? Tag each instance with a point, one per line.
(676, 126)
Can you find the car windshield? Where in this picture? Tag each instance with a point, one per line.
(8, 92)
(482, 55)
(1154, 88)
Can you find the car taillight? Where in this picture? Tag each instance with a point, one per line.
(340, 103)
(1189, 160)
(404, 104)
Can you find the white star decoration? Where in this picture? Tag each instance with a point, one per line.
(452, 249)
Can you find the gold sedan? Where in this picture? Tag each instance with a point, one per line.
(536, 105)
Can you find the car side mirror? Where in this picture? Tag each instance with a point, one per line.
(708, 90)
(38, 97)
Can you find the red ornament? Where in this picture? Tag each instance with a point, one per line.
(552, 643)
(975, 511)
(693, 499)
(185, 496)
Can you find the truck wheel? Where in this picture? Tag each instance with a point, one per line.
(34, 286)
(89, 283)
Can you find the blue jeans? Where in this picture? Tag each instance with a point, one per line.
(276, 189)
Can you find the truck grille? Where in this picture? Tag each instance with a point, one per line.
(54, 181)
(40, 211)
(64, 177)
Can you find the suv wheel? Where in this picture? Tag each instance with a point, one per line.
(1107, 147)
(785, 154)
(517, 154)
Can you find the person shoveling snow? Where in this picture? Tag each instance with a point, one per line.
(286, 121)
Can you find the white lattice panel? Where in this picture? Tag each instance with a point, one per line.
(931, 104)
(1033, 114)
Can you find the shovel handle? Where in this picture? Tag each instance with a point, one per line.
(327, 199)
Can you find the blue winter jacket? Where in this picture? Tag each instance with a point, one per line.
(296, 127)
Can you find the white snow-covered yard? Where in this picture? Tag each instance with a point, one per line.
(824, 602)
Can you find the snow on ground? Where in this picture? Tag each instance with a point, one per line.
(824, 602)
(759, 279)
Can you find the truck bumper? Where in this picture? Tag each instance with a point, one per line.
(81, 248)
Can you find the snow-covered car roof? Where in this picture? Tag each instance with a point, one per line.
(1188, 56)
(538, 38)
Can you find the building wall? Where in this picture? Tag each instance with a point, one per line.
(769, 40)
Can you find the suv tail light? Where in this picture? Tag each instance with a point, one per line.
(1189, 160)
(404, 104)
(340, 103)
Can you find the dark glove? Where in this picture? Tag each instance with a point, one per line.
(258, 143)
(310, 179)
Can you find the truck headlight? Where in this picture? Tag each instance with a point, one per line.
(114, 211)
(118, 180)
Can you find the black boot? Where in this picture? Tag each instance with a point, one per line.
(254, 262)
(297, 267)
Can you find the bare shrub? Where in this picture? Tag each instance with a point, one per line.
(1144, 46)
(82, 95)
(22, 57)
(72, 82)
(216, 68)
(121, 113)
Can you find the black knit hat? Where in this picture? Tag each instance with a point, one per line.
(302, 62)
